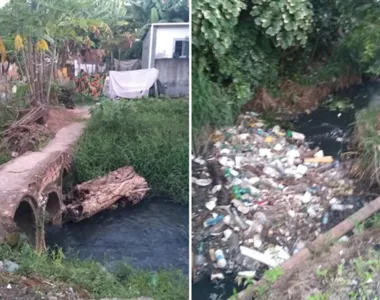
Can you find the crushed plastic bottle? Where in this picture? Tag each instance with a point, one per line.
(296, 135)
(213, 221)
(200, 259)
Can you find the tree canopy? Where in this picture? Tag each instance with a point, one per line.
(248, 44)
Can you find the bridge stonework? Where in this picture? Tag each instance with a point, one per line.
(31, 193)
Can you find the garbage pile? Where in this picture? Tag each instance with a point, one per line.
(260, 197)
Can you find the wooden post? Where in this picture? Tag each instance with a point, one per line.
(156, 89)
(111, 64)
(118, 65)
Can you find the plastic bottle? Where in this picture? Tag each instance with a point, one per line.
(296, 135)
(236, 192)
(200, 259)
(220, 260)
(325, 218)
(213, 221)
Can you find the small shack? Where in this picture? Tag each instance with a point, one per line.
(166, 47)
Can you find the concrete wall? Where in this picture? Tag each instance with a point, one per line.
(166, 37)
(174, 75)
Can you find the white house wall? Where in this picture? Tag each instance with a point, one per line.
(165, 40)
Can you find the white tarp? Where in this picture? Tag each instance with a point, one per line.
(130, 84)
(127, 65)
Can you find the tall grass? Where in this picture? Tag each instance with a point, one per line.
(126, 282)
(211, 103)
(151, 135)
(367, 138)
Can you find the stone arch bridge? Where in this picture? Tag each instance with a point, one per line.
(31, 187)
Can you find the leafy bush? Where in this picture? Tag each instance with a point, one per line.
(245, 45)
(237, 45)
(288, 21)
(150, 135)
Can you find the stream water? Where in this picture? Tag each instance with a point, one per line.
(330, 130)
(151, 235)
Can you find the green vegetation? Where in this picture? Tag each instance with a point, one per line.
(335, 103)
(126, 282)
(364, 270)
(211, 104)
(318, 296)
(242, 46)
(150, 135)
(270, 278)
(368, 140)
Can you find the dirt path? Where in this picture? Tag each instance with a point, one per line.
(59, 117)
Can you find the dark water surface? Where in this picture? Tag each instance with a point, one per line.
(330, 130)
(152, 235)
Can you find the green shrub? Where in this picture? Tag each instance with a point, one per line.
(211, 104)
(151, 135)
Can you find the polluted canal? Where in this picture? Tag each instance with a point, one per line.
(262, 193)
(150, 235)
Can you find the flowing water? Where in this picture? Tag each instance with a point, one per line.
(151, 235)
(330, 130)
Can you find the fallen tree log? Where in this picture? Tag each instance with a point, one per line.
(100, 193)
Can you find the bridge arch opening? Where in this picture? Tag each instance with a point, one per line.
(52, 205)
(26, 220)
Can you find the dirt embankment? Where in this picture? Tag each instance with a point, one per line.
(345, 270)
(296, 98)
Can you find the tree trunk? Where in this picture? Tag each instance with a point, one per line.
(27, 71)
(100, 193)
(51, 75)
